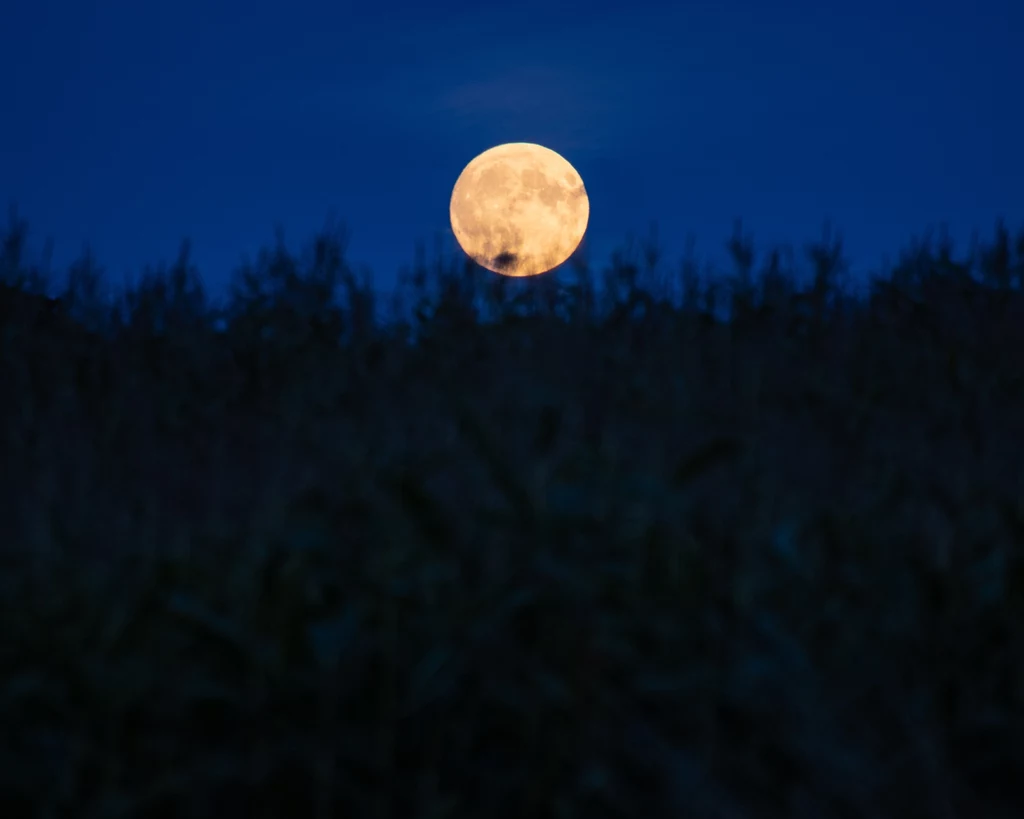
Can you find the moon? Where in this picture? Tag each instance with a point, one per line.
(519, 209)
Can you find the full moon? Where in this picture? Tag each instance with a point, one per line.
(519, 209)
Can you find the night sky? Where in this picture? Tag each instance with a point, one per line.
(131, 125)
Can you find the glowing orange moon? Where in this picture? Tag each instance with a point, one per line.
(519, 209)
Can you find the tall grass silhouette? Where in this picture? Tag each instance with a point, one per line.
(628, 542)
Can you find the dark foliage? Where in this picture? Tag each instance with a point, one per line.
(624, 545)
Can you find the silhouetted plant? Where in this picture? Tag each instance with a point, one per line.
(566, 546)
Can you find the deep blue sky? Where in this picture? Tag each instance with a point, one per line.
(131, 125)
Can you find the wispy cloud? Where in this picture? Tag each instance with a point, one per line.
(581, 83)
(562, 102)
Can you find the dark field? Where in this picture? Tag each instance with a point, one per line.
(581, 550)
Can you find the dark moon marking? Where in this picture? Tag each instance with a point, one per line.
(504, 260)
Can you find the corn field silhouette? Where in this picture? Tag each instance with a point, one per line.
(629, 542)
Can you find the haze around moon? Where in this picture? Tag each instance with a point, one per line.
(519, 209)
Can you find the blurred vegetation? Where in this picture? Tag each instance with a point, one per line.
(640, 541)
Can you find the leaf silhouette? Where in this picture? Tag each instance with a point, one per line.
(716, 452)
